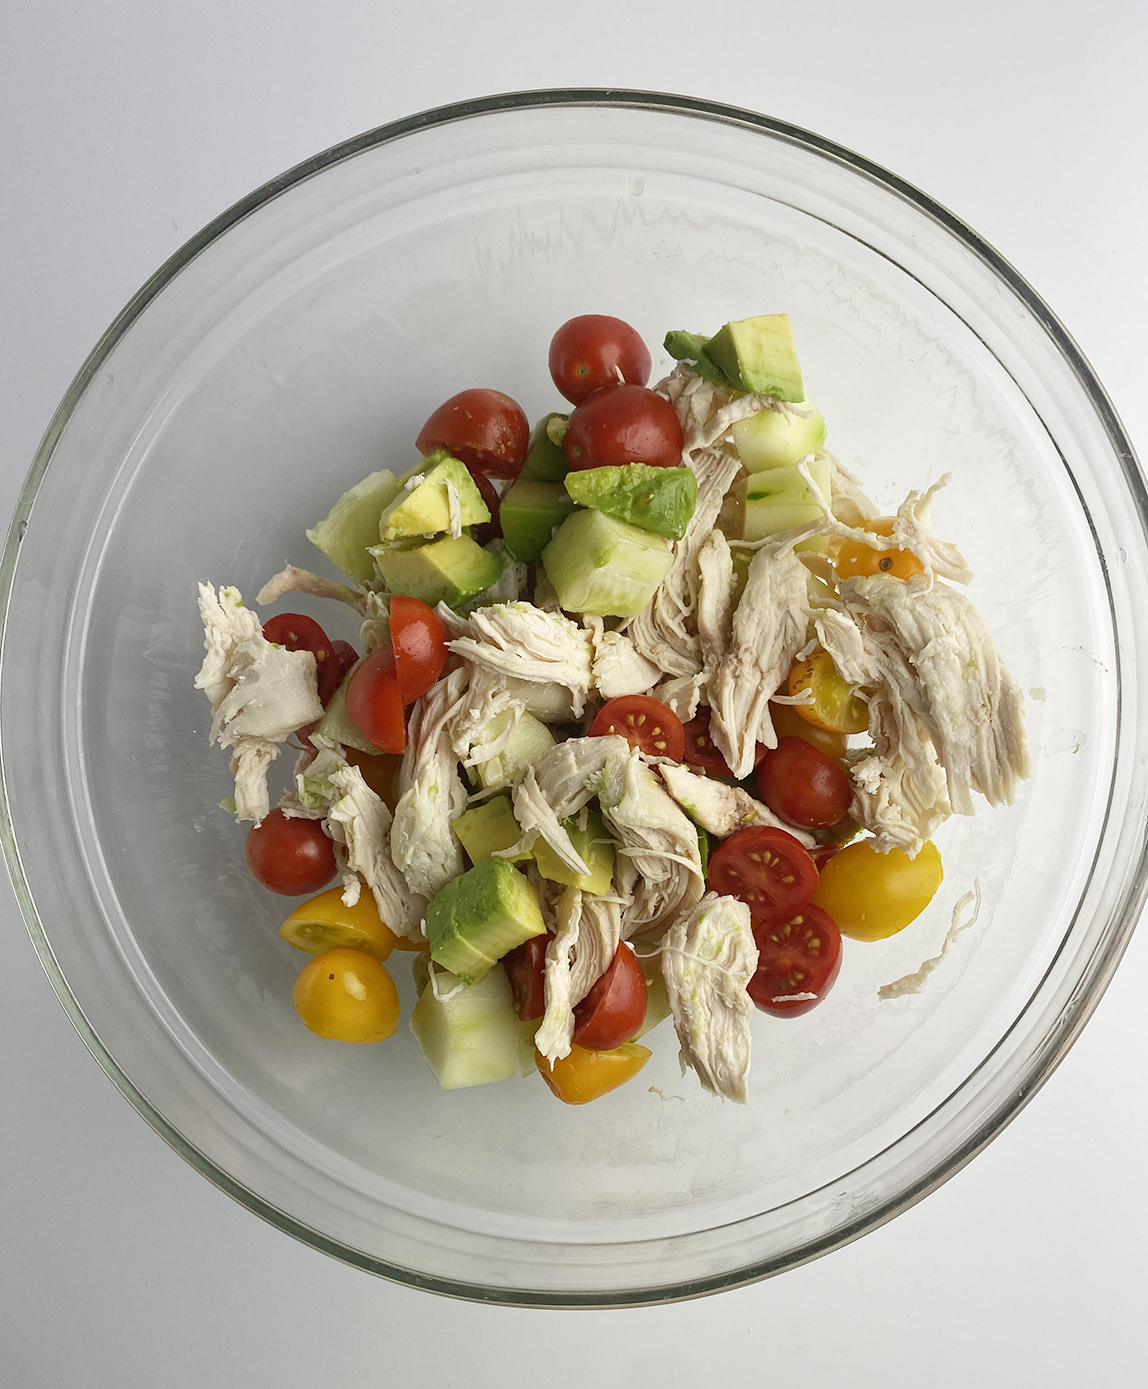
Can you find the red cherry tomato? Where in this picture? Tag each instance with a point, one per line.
(822, 853)
(615, 1007)
(591, 351)
(623, 424)
(798, 956)
(290, 856)
(701, 752)
(645, 723)
(803, 786)
(418, 639)
(375, 701)
(485, 429)
(492, 529)
(345, 657)
(525, 968)
(767, 869)
(299, 633)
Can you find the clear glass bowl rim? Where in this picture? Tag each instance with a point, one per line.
(1104, 962)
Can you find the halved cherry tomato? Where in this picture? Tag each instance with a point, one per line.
(787, 723)
(485, 429)
(701, 752)
(347, 996)
(596, 350)
(803, 786)
(646, 724)
(327, 923)
(375, 701)
(379, 771)
(525, 968)
(418, 638)
(490, 530)
(586, 1075)
(300, 633)
(345, 656)
(834, 707)
(290, 855)
(767, 869)
(623, 424)
(856, 559)
(798, 956)
(615, 1008)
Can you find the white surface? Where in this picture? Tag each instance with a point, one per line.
(121, 133)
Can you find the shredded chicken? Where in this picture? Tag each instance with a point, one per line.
(618, 668)
(681, 694)
(715, 599)
(521, 640)
(589, 931)
(719, 808)
(296, 580)
(708, 958)
(361, 823)
(707, 411)
(850, 505)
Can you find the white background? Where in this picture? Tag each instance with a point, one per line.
(125, 125)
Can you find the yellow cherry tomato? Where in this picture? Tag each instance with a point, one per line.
(835, 707)
(585, 1075)
(379, 772)
(327, 923)
(347, 996)
(412, 943)
(788, 723)
(872, 895)
(855, 559)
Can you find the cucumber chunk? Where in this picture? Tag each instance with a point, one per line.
(443, 571)
(529, 513)
(471, 1038)
(776, 439)
(661, 500)
(778, 499)
(424, 507)
(351, 527)
(530, 740)
(601, 565)
(545, 459)
(758, 355)
(480, 915)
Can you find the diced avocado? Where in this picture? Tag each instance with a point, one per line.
(694, 349)
(336, 722)
(529, 513)
(530, 740)
(779, 500)
(480, 915)
(487, 827)
(594, 846)
(424, 509)
(657, 1004)
(444, 571)
(352, 525)
(703, 847)
(601, 565)
(471, 1038)
(545, 459)
(777, 438)
(661, 500)
(758, 355)
(509, 584)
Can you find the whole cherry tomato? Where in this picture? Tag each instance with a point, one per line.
(803, 786)
(596, 350)
(623, 424)
(485, 429)
(375, 701)
(615, 1008)
(794, 957)
(300, 633)
(647, 724)
(490, 530)
(525, 968)
(418, 639)
(290, 855)
(765, 868)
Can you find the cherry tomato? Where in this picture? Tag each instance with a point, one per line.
(787, 723)
(418, 639)
(492, 529)
(591, 350)
(327, 923)
(872, 895)
(835, 707)
(375, 701)
(701, 752)
(345, 656)
(379, 772)
(855, 558)
(803, 786)
(646, 724)
(290, 855)
(767, 869)
(347, 996)
(299, 633)
(586, 1075)
(798, 956)
(525, 968)
(615, 1008)
(623, 424)
(485, 429)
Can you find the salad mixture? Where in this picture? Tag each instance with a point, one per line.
(652, 705)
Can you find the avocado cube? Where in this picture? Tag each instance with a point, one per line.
(529, 513)
(694, 349)
(777, 438)
(601, 565)
(351, 527)
(661, 500)
(480, 915)
(596, 849)
(545, 459)
(758, 355)
(424, 507)
(487, 827)
(443, 571)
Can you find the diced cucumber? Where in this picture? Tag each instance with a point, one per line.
(526, 1034)
(471, 1038)
(661, 500)
(601, 565)
(758, 355)
(776, 439)
(530, 740)
(778, 500)
(351, 527)
(336, 722)
(545, 459)
(480, 915)
(596, 850)
(529, 513)
(424, 509)
(487, 827)
(445, 571)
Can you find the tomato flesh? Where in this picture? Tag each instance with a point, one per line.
(584, 1075)
(803, 786)
(290, 855)
(375, 701)
(490, 530)
(525, 968)
(620, 424)
(485, 429)
(345, 658)
(767, 869)
(596, 350)
(615, 1008)
(297, 632)
(418, 639)
(701, 752)
(795, 957)
(646, 724)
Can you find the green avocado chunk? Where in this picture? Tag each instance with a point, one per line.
(488, 827)
(661, 500)
(601, 565)
(424, 507)
(444, 571)
(694, 349)
(758, 355)
(596, 849)
(545, 459)
(351, 527)
(479, 916)
(529, 513)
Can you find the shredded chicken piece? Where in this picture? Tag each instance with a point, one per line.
(431, 794)
(360, 822)
(589, 931)
(707, 411)
(708, 958)
(296, 580)
(618, 668)
(715, 599)
(314, 792)
(558, 786)
(681, 694)
(769, 628)
(850, 504)
(521, 640)
(719, 808)
(375, 629)
(250, 761)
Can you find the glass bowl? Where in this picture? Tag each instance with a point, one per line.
(298, 343)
